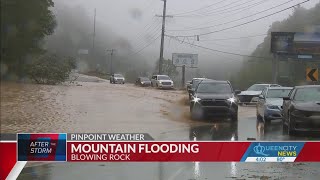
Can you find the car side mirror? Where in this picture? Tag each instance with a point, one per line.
(191, 91)
(286, 98)
(261, 96)
(237, 92)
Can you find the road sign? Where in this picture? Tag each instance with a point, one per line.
(183, 59)
(312, 74)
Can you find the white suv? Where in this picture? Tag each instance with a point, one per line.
(161, 81)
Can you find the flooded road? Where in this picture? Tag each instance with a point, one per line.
(96, 106)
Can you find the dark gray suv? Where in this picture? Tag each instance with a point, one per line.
(216, 98)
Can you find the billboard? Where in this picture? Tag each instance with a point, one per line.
(295, 43)
(83, 51)
(183, 59)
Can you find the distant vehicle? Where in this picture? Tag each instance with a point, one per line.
(270, 103)
(251, 94)
(188, 85)
(161, 81)
(193, 84)
(301, 109)
(117, 79)
(216, 98)
(143, 81)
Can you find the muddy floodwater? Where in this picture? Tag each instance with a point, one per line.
(95, 105)
(84, 107)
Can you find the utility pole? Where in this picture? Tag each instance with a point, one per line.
(275, 69)
(94, 33)
(183, 75)
(162, 35)
(111, 56)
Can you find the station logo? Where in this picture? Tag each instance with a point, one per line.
(272, 151)
(282, 149)
(42, 147)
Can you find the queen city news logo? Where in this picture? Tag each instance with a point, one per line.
(42, 147)
(273, 151)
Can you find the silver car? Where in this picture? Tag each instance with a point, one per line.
(269, 105)
(250, 96)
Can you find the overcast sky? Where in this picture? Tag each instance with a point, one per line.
(135, 20)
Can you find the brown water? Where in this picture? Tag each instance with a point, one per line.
(32, 108)
(91, 107)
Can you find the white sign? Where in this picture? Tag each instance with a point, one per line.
(83, 51)
(180, 59)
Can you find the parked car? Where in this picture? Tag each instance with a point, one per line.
(270, 103)
(188, 85)
(216, 98)
(161, 81)
(251, 95)
(143, 81)
(117, 79)
(301, 109)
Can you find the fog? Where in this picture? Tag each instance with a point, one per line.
(131, 27)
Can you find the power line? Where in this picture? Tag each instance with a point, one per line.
(187, 12)
(224, 12)
(224, 39)
(235, 19)
(137, 52)
(152, 33)
(213, 11)
(241, 10)
(245, 22)
(224, 52)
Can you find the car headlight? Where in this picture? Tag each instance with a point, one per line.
(232, 100)
(272, 107)
(142, 82)
(195, 99)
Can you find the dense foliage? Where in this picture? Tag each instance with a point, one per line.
(50, 69)
(24, 24)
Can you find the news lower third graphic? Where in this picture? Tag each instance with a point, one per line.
(42, 147)
(272, 152)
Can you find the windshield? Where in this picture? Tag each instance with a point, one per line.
(257, 87)
(278, 93)
(118, 75)
(308, 94)
(144, 79)
(218, 88)
(195, 83)
(163, 78)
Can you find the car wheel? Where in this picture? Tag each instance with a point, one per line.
(290, 130)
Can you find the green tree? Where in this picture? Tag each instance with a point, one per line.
(24, 24)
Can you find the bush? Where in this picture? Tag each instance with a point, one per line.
(50, 69)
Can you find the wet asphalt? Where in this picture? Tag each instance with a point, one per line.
(97, 106)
